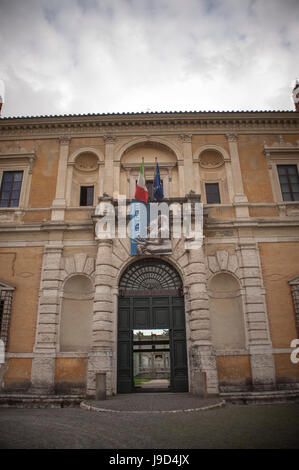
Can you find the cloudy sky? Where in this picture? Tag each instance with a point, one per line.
(102, 56)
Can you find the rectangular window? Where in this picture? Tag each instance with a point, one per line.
(212, 193)
(11, 188)
(86, 195)
(289, 182)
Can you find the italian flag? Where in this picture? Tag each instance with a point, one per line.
(141, 193)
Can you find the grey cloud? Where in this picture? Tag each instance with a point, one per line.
(84, 56)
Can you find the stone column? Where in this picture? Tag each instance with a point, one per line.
(188, 163)
(203, 359)
(43, 364)
(258, 335)
(109, 170)
(100, 357)
(59, 201)
(240, 199)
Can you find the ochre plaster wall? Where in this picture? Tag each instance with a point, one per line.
(280, 263)
(21, 267)
(255, 174)
(233, 368)
(18, 374)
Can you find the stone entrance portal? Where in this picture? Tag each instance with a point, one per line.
(151, 298)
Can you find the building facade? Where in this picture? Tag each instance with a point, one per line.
(70, 299)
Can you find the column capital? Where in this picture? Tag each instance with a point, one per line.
(109, 139)
(186, 138)
(232, 137)
(64, 140)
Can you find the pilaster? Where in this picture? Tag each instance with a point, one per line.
(203, 359)
(240, 199)
(100, 356)
(259, 342)
(109, 163)
(188, 162)
(59, 202)
(43, 365)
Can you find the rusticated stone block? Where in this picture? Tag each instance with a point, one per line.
(102, 306)
(199, 324)
(196, 268)
(200, 335)
(52, 308)
(201, 304)
(49, 299)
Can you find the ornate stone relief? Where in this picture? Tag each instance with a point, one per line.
(211, 159)
(86, 161)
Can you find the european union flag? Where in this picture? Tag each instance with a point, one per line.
(158, 186)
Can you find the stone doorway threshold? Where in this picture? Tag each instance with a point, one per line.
(153, 403)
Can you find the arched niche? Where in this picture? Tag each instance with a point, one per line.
(226, 312)
(212, 165)
(76, 314)
(84, 169)
(131, 158)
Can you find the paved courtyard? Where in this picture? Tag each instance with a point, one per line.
(232, 426)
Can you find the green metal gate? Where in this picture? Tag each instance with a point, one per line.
(151, 312)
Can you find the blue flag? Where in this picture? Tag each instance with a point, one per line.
(158, 186)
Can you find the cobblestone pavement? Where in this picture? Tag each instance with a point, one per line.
(241, 427)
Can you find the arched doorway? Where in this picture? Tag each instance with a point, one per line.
(151, 299)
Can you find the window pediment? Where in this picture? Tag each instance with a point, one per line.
(18, 159)
(294, 282)
(6, 286)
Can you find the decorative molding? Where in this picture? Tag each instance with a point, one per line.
(147, 165)
(6, 286)
(82, 150)
(186, 138)
(167, 144)
(64, 140)
(19, 157)
(209, 159)
(200, 150)
(232, 137)
(109, 139)
(55, 126)
(281, 147)
(86, 162)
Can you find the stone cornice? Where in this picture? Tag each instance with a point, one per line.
(184, 122)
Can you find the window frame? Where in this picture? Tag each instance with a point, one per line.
(289, 183)
(205, 191)
(280, 153)
(18, 162)
(6, 296)
(11, 190)
(80, 195)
